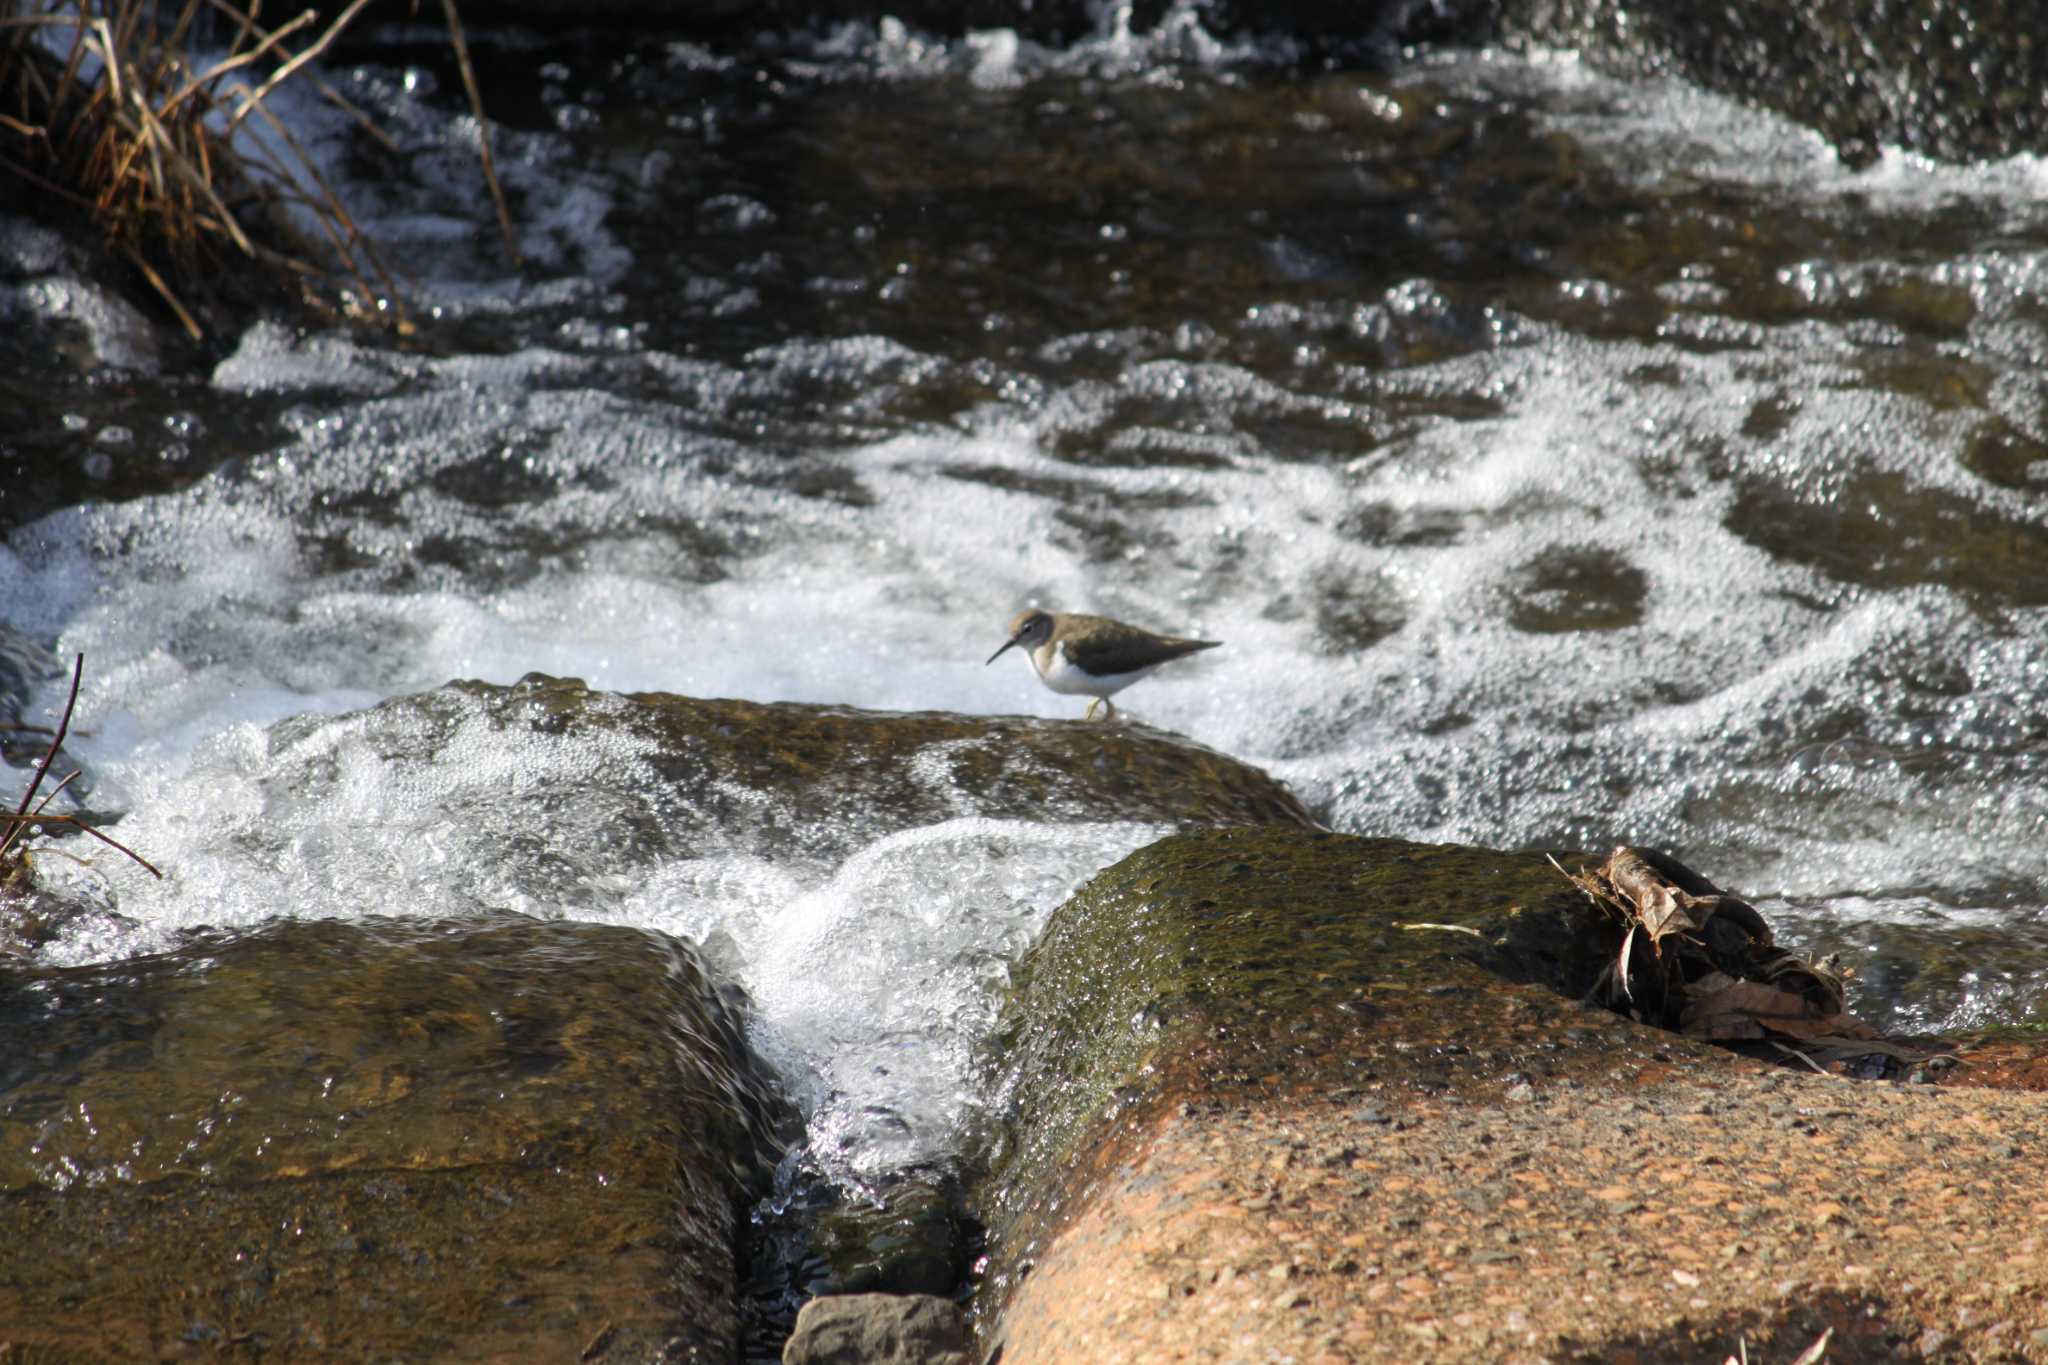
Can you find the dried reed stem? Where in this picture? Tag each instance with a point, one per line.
(122, 121)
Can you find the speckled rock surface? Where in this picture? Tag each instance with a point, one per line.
(1667, 1211)
(376, 1140)
(1213, 958)
(1355, 1130)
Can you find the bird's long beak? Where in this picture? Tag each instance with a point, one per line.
(999, 653)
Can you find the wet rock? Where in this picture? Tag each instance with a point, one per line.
(1238, 954)
(879, 1329)
(26, 663)
(1190, 1052)
(1960, 81)
(506, 1139)
(43, 288)
(1569, 588)
(787, 780)
(75, 337)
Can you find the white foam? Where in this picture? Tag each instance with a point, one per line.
(875, 985)
(211, 608)
(997, 59)
(1656, 130)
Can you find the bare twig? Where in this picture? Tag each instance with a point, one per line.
(1421, 925)
(49, 754)
(51, 795)
(284, 73)
(483, 129)
(221, 68)
(21, 819)
(164, 291)
(21, 822)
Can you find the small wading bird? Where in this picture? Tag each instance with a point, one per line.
(1092, 655)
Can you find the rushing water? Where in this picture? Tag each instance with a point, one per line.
(1561, 461)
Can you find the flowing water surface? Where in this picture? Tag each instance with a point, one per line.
(1560, 461)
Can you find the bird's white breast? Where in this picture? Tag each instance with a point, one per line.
(1059, 673)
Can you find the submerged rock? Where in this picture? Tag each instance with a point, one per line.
(907, 1238)
(1962, 80)
(378, 1140)
(668, 776)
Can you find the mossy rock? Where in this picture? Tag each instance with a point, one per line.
(378, 1140)
(1224, 966)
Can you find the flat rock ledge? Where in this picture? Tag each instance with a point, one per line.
(1340, 1111)
(378, 1140)
(796, 779)
(654, 777)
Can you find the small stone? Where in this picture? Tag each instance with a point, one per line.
(879, 1329)
(1521, 1094)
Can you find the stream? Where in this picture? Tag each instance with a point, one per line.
(1561, 461)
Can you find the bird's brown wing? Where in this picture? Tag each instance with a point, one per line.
(1114, 653)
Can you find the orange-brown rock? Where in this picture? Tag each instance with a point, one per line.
(1418, 1157)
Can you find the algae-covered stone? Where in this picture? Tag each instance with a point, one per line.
(1234, 961)
(406, 1141)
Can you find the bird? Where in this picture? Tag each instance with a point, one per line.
(1092, 655)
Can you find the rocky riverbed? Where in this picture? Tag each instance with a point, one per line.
(1591, 426)
(1265, 1091)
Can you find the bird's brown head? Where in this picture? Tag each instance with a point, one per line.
(1030, 629)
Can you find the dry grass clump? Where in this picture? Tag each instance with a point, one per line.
(104, 106)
